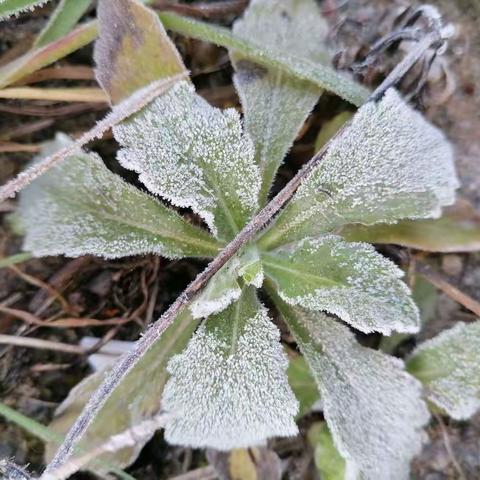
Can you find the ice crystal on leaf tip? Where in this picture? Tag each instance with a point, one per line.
(9, 8)
(79, 207)
(222, 289)
(229, 388)
(276, 104)
(372, 406)
(350, 280)
(448, 365)
(194, 155)
(389, 164)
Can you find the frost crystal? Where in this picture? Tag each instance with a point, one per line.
(79, 207)
(229, 388)
(276, 104)
(195, 156)
(350, 280)
(449, 367)
(222, 290)
(373, 407)
(388, 165)
(9, 8)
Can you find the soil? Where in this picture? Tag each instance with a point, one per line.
(35, 381)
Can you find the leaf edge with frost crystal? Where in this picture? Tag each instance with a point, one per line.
(389, 164)
(117, 218)
(350, 280)
(448, 366)
(229, 388)
(179, 126)
(370, 452)
(275, 103)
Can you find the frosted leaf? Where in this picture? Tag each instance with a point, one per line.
(137, 398)
(229, 389)
(79, 207)
(372, 406)
(448, 365)
(9, 8)
(221, 290)
(195, 156)
(275, 103)
(350, 280)
(389, 164)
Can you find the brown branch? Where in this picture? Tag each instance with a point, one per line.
(153, 333)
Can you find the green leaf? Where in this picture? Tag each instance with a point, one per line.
(38, 58)
(251, 267)
(62, 20)
(328, 460)
(389, 164)
(276, 103)
(222, 290)
(323, 76)
(15, 7)
(425, 296)
(79, 207)
(448, 365)
(229, 388)
(195, 156)
(303, 384)
(133, 49)
(372, 406)
(457, 230)
(135, 399)
(350, 280)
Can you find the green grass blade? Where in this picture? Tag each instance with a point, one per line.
(323, 76)
(62, 21)
(41, 57)
(43, 433)
(14, 259)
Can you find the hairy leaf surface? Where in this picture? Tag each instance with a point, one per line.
(350, 280)
(372, 406)
(135, 399)
(448, 365)
(275, 103)
(194, 155)
(229, 388)
(79, 207)
(389, 164)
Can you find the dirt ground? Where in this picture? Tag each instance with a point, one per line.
(34, 381)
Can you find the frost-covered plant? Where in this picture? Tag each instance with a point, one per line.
(227, 385)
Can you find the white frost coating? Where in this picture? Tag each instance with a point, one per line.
(79, 207)
(449, 367)
(195, 156)
(205, 306)
(350, 280)
(276, 104)
(227, 393)
(373, 407)
(221, 290)
(389, 164)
